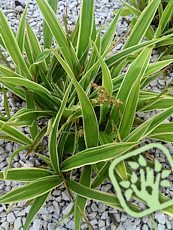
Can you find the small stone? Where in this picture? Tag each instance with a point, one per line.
(44, 211)
(84, 226)
(9, 147)
(145, 227)
(27, 209)
(160, 217)
(104, 216)
(70, 225)
(47, 217)
(145, 219)
(168, 224)
(161, 227)
(56, 208)
(129, 225)
(93, 222)
(21, 213)
(117, 217)
(92, 215)
(51, 209)
(123, 217)
(67, 209)
(101, 207)
(113, 227)
(5, 225)
(58, 199)
(65, 196)
(51, 226)
(94, 207)
(56, 192)
(120, 227)
(36, 224)
(153, 83)
(101, 223)
(17, 224)
(19, 9)
(11, 218)
(106, 188)
(162, 82)
(19, 3)
(137, 221)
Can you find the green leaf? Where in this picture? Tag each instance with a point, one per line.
(128, 93)
(32, 86)
(101, 175)
(96, 154)
(31, 190)
(17, 151)
(93, 194)
(44, 159)
(107, 84)
(25, 174)
(36, 51)
(38, 138)
(47, 35)
(53, 134)
(163, 128)
(142, 24)
(90, 124)
(21, 30)
(158, 119)
(129, 110)
(136, 70)
(36, 206)
(165, 18)
(7, 72)
(157, 66)
(31, 105)
(14, 133)
(125, 184)
(12, 46)
(109, 34)
(80, 202)
(26, 117)
(85, 27)
(34, 42)
(112, 60)
(58, 32)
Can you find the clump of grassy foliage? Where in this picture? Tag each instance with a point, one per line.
(161, 23)
(90, 104)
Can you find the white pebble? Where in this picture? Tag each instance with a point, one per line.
(17, 224)
(5, 225)
(101, 223)
(51, 226)
(145, 227)
(11, 218)
(160, 217)
(36, 224)
(161, 227)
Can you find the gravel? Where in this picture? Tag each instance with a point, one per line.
(58, 204)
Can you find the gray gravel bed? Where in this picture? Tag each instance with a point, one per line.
(100, 216)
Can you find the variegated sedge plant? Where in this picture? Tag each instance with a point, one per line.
(90, 104)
